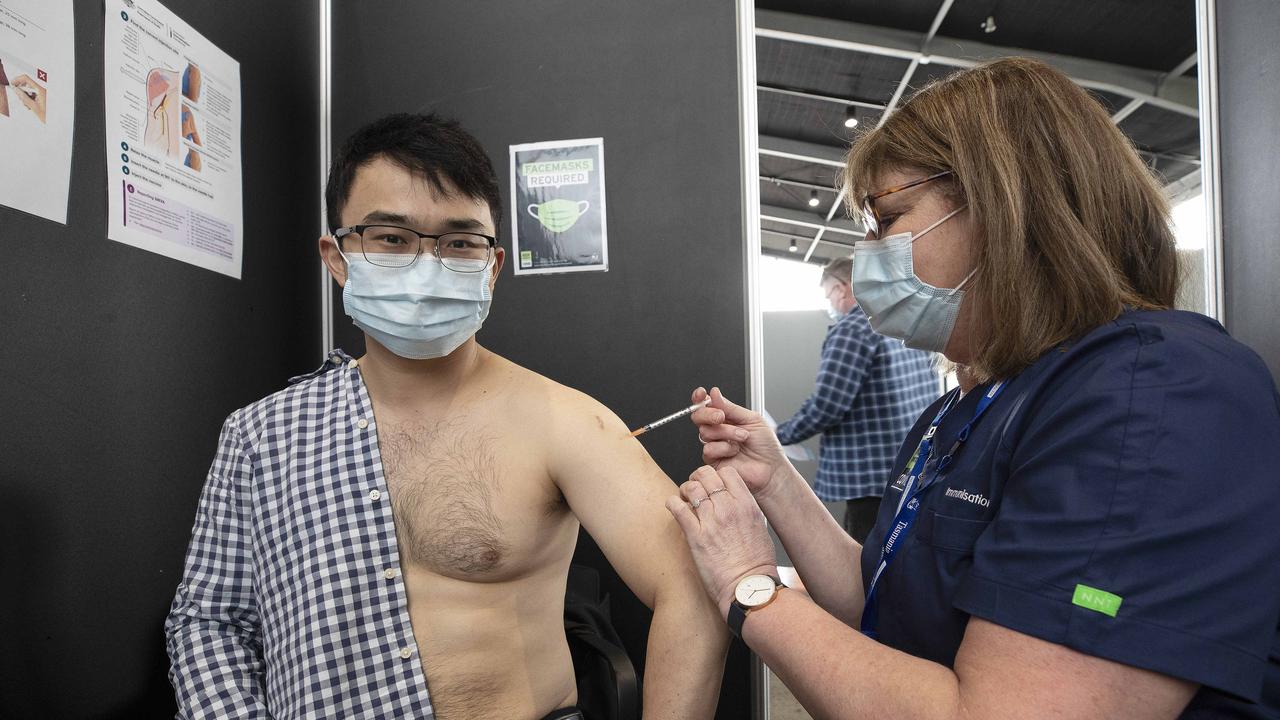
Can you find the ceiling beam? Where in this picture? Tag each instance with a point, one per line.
(916, 61)
(797, 183)
(779, 90)
(824, 241)
(800, 150)
(1177, 71)
(843, 225)
(1174, 93)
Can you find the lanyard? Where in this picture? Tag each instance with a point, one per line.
(916, 484)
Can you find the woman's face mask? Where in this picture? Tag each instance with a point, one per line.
(897, 302)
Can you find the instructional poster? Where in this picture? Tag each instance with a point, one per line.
(37, 105)
(557, 207)
(173, 139)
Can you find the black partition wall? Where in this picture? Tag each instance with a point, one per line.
(658, 81)
(119, 366)
(1248, 61)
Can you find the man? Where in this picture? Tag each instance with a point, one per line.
(390, 536)
(870, 391)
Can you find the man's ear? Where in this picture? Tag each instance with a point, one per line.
(332, 258)
(499, 257)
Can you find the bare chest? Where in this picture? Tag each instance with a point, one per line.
(469, 500)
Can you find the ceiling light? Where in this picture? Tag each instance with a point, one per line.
(850, 117)
(793, 245)
(813, 198)
(989, 25)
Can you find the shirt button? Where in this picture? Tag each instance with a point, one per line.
(406, 653)
(336, 359)
(375, 495)
(389, 573)
(362, 423)
(352, 364)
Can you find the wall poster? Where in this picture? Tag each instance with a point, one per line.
(558, 207)
(173, 139)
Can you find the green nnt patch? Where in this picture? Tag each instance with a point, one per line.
(1097, 600)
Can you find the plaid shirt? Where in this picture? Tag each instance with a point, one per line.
(291, 604)
(870, 391)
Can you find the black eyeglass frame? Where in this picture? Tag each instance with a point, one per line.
(871, 216)
(358, 230)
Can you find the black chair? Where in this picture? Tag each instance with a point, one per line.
(608, 688)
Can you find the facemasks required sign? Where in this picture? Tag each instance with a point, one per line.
(557, 207)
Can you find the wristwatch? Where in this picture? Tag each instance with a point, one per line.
(752, 593)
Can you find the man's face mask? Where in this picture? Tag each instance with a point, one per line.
(421, 311)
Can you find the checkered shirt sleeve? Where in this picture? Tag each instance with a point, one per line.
(213, 633)
(869, 392)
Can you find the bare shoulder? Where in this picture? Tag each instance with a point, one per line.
(552, 407)
(583, 443)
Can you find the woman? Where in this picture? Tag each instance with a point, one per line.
(1083, 528)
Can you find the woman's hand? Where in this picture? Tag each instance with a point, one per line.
(735, 437)
(725, 530)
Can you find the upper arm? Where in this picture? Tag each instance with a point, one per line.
(212, 627)
(618, 493)
(217, 577)
(1005, 674)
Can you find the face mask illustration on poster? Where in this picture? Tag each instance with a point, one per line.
(558, 209)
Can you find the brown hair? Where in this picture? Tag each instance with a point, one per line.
(1071, 226)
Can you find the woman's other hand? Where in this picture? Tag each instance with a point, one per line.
(725, 530)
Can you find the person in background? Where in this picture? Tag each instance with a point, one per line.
(870, 390)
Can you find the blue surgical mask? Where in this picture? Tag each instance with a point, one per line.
(418, 312)
(897, 302)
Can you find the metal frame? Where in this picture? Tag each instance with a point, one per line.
(1211, 160)
(326, 282)
(1176, 94)
(749, 158)
(1167, 90)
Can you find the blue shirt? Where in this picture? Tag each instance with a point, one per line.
(870, 389)
(291, 603)
(1139, 461)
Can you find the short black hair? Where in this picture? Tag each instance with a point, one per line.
(429, 146)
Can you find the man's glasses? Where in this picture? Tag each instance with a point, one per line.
(871, 216)
(394, 246)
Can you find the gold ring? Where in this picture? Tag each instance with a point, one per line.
(713, 492)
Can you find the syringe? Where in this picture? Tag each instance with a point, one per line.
(673, 416)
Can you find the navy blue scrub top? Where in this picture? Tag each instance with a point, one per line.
(1140, 461)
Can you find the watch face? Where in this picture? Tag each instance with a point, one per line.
(754, 590)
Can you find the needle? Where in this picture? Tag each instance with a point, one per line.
(673, 416)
